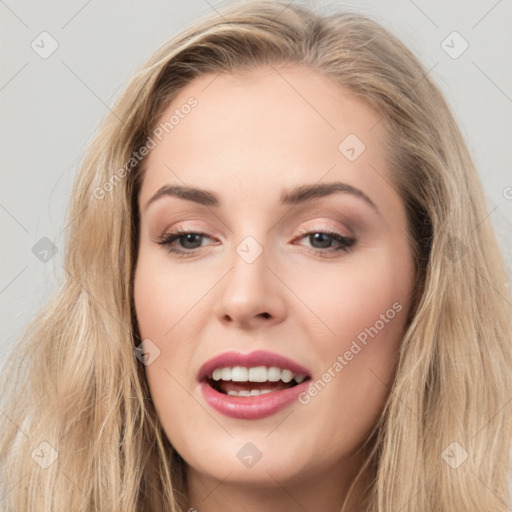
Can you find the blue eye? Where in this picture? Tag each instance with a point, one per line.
(324, 241)
(189, 241)
(187, 238)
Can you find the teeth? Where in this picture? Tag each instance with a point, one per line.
(273, 374)
(239, 374)
(286, 375)
(256, 374)
(253, 392)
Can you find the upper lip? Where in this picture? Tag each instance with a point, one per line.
(256, 358)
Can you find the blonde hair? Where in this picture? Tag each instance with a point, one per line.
(73, 381)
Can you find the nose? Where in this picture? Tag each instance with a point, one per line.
(251, 295)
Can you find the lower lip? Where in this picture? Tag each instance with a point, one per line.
(252, 407)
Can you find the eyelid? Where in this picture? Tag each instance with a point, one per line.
(310, 226)
(339, 224)
(186, 225)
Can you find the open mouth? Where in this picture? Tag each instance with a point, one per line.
(252, 386)
(253, 381)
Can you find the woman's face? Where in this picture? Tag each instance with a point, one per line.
(296, 259)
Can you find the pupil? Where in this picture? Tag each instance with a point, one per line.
(190, 238)
(319, 236)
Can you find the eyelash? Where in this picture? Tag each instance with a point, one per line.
(167, 239)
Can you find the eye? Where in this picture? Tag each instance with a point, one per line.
(190, 240)
(322, 241)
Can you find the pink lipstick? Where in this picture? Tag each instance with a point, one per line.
(252, 386)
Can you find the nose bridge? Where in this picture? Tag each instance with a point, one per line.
(249, 276)
(251, 247)
(250, 290)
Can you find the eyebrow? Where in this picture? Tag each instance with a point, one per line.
(297, 195)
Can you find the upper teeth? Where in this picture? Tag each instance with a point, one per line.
(256, 374)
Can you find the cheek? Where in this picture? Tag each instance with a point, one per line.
(364, 292)
(365, 309)
(162, 301)
(166, 299)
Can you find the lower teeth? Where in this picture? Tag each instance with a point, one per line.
(253, 392)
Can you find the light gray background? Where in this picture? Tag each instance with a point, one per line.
(51, 107)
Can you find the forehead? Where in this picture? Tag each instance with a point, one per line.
(268, 129)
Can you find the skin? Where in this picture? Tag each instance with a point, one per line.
(250, 138)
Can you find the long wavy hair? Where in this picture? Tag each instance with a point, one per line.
(78, 428)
